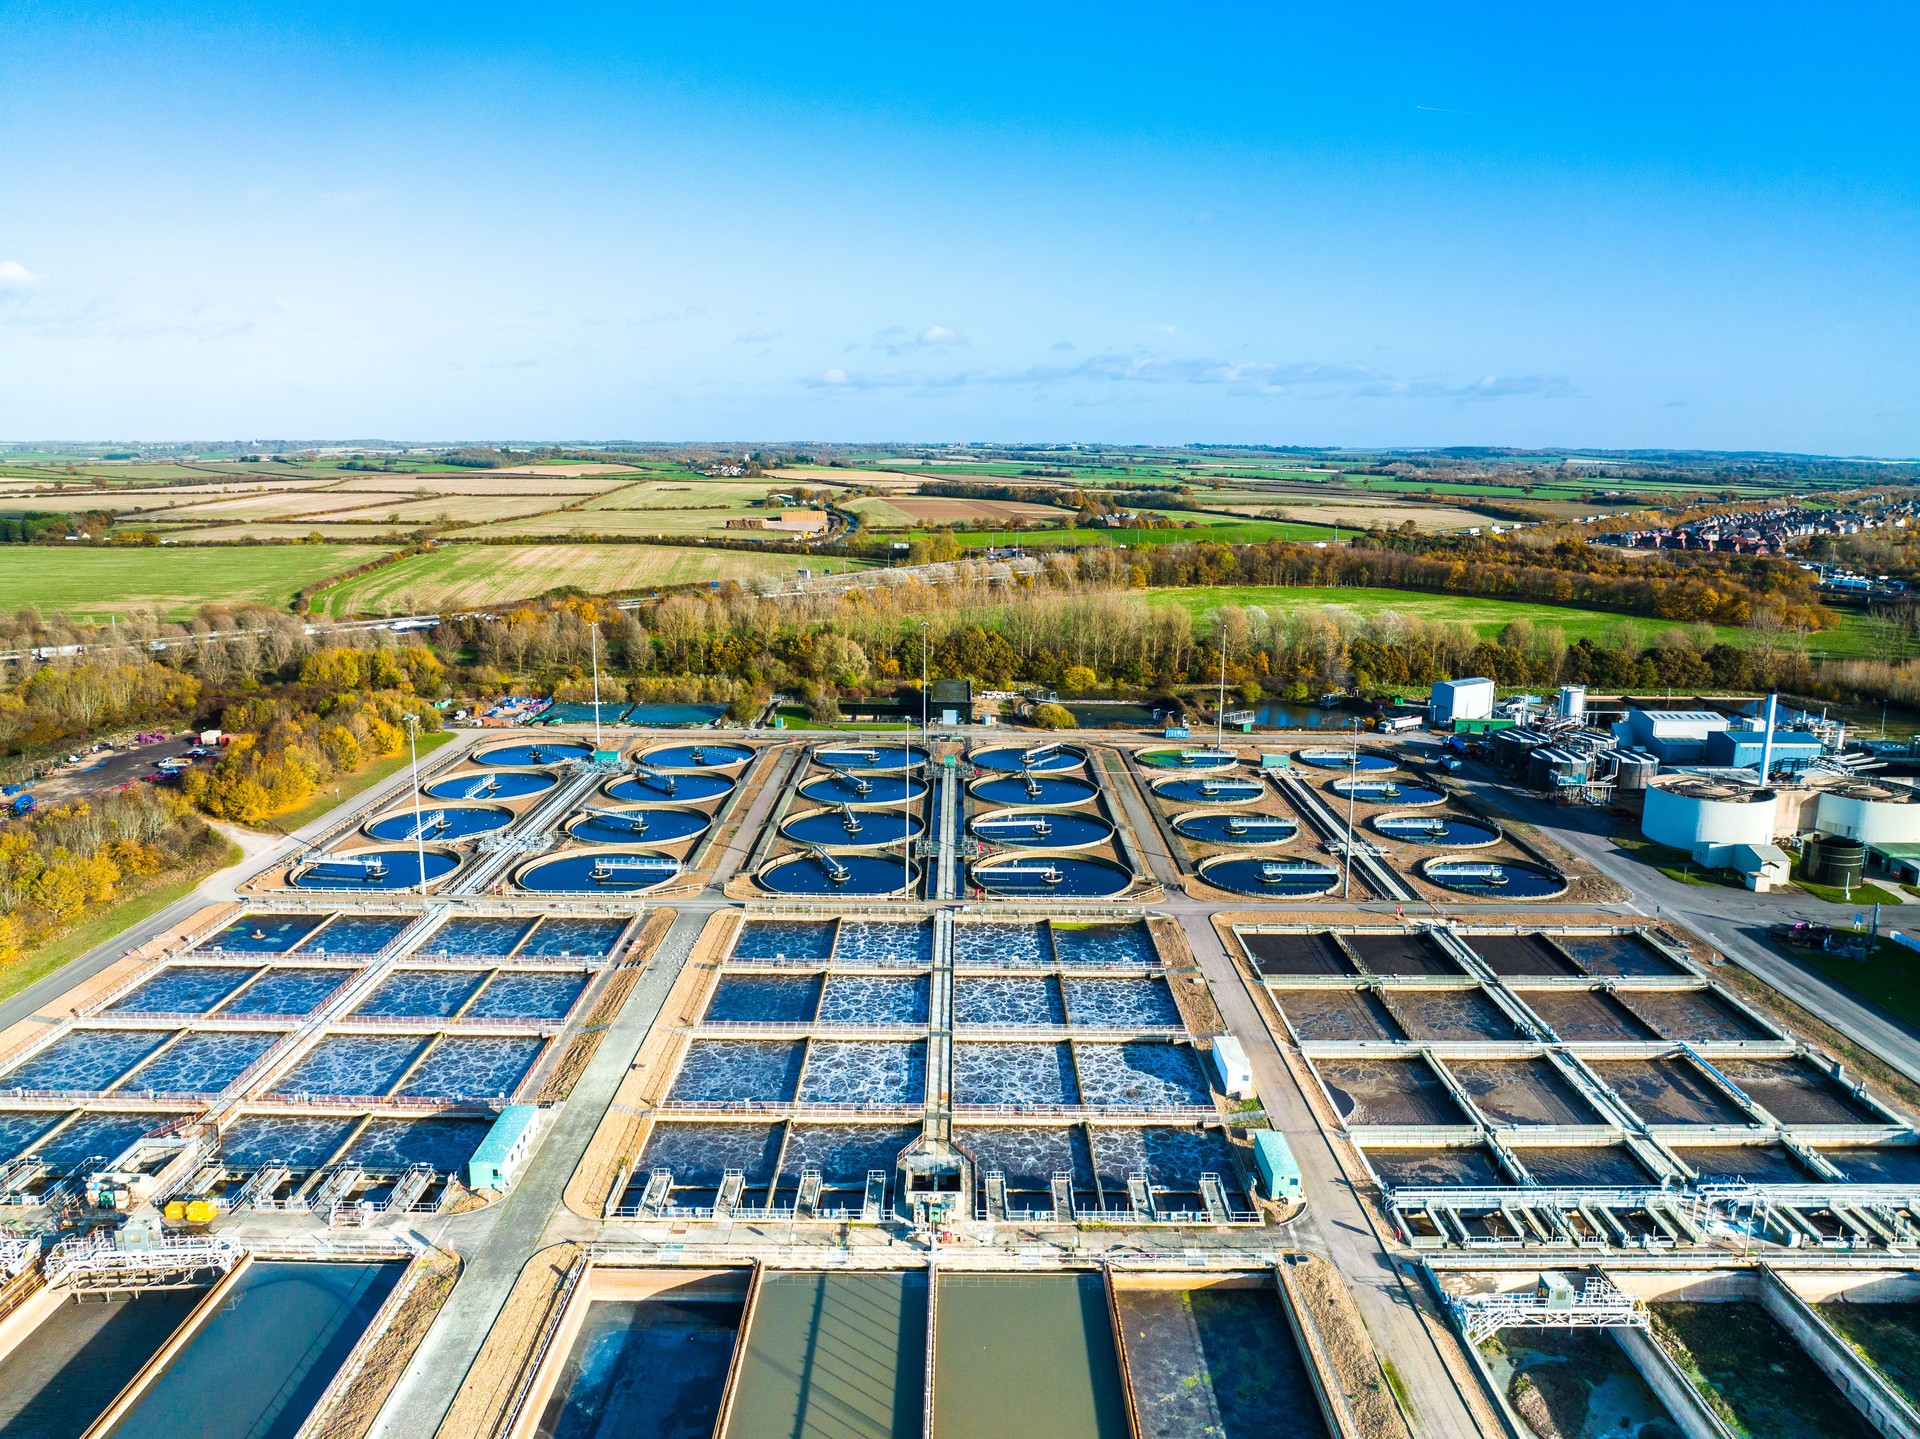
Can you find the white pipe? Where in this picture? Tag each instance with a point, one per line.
(1766, 740)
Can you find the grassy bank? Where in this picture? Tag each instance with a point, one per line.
(357, 783)
(42, 961)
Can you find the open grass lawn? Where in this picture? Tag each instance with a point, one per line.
(1889, 977)
(1487, 616)
(1215, 529)
(94, 583)
(467, 576)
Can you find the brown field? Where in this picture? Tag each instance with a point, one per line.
(277, 530)
(905, 511)
(480, 482)
(618, 522)
(471, 509)
(276, 505)
(1363, 516)
(570, 469)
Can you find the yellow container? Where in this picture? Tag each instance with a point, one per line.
(176, 1210)
(201, 1211)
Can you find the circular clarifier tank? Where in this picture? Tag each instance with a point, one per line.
(1246, 829)
(653, 788)
(1187, 759)
(1037, 874)
(694, 756)
(1035, 759)
(1210, 790)
(440, 822)
(491, 784)
(534, 752)
(1437, 829)
(644, 825)
(1287, 878)
(374, 869)
(1493, 879)
(862, 789)
(851, 828)
(868, 758)
(839, 874)
(1386, 791)
(603, 871)
(1361, 762)
(1024, 790)
(1041, 828)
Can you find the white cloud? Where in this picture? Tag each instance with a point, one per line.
(897, 340)
(15, 277)
(941, 335)
(833, 377)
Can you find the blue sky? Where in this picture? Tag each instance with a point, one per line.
(1689, 226)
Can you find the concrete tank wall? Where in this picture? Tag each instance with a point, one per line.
(1872, 821)
(1684, 822)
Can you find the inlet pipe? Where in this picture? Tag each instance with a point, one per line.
(1766, 740)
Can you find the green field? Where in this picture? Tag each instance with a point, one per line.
(92, 583)
(456, 576)
(1486, 616)
(1213, 529)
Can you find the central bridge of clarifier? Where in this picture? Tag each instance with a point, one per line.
(1360, 854)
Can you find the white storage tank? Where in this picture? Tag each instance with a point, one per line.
(1706, 818)
(1869, 812)
(1460, 699)
(1573, 702)
(1230, 1067)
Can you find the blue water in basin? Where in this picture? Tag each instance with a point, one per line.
(874, 999)
(1143, 1073)
(867, 757)
(1375, 791)
(1514, 880)
(200, 1064)
(844, 1153)
(700, 1154)
(85, 1059)
(18, 1130)
(784, 939)
(1007, 759)
(574, 938)
(467, 1066)
(1446, 830)
(529, 996)
(1027, 1157)
(1219, 829)
(1126, 942)
(402, 871)
(653, 826)
(486, 937)
(764, 999)
(865, 1072)
(395, 1145)
(695, 756)
(991, 1000)
(884, 942)
(422, 993)
(863, 874)
(183, 989)
(1048, 791)
(1064, 829)
(534, 752)
(97, 1136)
(1029, 875)
(266, 933)
(1170, 1158)
(1013, 1072)
(877, 827)
(352, 1064)
(1193, 757)
(446, 822)
(1364, 762)
(288, 991)
(1121, 1003)
(720, 1070)
(652, 788)
(1210, 791)
(348, 935)
(1249, 876)
(673, 716)
(992, 943)
(298, 1141)
(489, 786)
(575, 874)
(881, 789)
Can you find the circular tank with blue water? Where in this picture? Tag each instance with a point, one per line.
(440, 822)
(526, 752)
(1033, 758)
(1493, 879)
(867, 758)
(862, 789)
(1386, 791)
(852, 828)
(1031, 874)
(602, 871)
(1041, 828)
(835, 875)
(1187, 759)
(1275, 878)
(1047, 793)
(1210, 790)
(374, 870)
(646, 825)
(1439, 829)
(654, 788)
(1240, 829)
(502, 784)
(694, 756)
(1360, 762)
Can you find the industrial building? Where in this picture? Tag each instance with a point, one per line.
(1674, 737)
(1452, 700)
(1743, 743)
(1722, 823)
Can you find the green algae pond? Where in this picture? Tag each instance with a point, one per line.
(1753, 1375)
(1887, 1336)
(1575, 1384)
(1027, 1356)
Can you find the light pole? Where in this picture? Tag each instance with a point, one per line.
(594, 630)
(1220, 707)
(419, 830)
(923, 684)
(1353, 776)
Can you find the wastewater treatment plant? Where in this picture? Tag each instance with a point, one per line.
(656, 1083)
